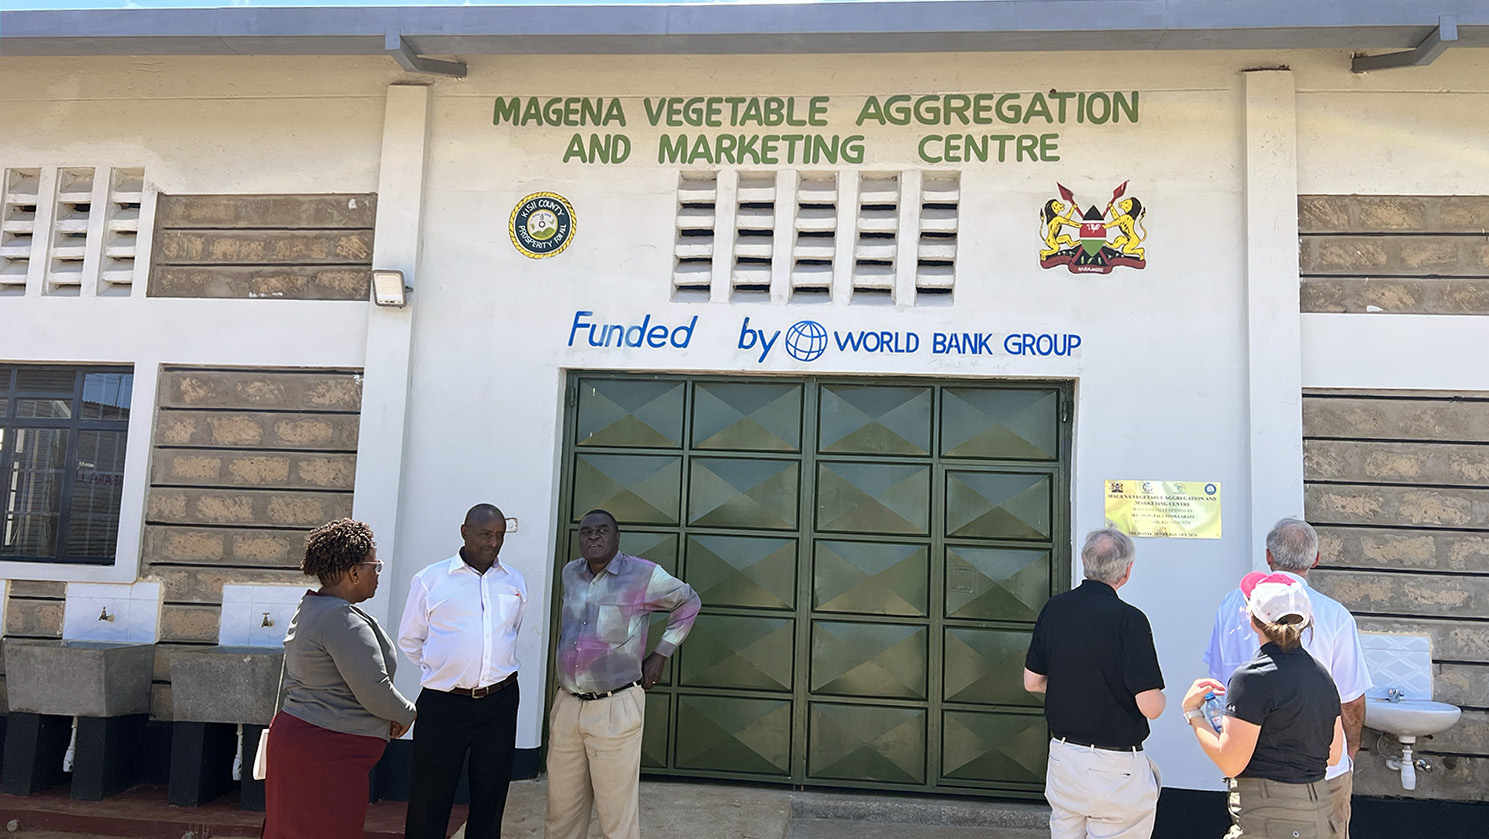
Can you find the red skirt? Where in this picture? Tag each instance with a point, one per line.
(316, 784)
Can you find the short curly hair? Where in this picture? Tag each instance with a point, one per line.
(336, 546)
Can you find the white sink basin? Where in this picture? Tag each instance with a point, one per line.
(1410, 717)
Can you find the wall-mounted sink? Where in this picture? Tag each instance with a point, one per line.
(1410, 717)
(78, 678)
(226, 684)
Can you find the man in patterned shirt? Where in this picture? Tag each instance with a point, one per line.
(594, 727)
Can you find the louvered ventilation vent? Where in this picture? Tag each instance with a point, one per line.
(878, 237)
(20, 193)
(816, 237)
(73, 211)
(121, 231)
(697, 201)
(935, 265)
(754, 240)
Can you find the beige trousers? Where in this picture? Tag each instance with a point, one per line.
(1096, 794)
(594, 758)
(1340, 789)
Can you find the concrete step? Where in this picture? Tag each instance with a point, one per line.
(844, 829)
(922, 811)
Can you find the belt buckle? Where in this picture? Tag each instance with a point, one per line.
(479, 693)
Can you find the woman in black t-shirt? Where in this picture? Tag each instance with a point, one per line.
(1281, 728)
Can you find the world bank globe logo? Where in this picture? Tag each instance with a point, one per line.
(806, 340)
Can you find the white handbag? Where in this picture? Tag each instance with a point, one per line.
(261, 757)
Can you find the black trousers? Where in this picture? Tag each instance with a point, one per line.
(451, 729)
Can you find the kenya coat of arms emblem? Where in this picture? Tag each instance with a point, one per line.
(1104, 239)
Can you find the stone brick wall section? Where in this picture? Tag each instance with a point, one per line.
(243, 464)
(1395, 483)
(1394, 254)
(292, 247)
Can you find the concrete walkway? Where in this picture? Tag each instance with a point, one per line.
(731, 811)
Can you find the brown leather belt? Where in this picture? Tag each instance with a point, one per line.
(478, 693)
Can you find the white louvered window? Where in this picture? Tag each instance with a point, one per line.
(877, 244)
(121, 229)
(816, 237)
(20, 194)
(697, 211)
(72, 212)
(935, 257)
(754, 239)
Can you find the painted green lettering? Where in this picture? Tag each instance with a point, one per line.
(652, 115)
(1009, 113)
(670, 152)
(711, 114)
(533, 112)
(817, 109)
(1037, 107)
(1061, 99)
(768, 148)
(1099, 116)
(957, 104)
(927, 110)
(925, 141)
(725, 145)
(575, 149)
(701, 151)
(751, 112)
(982, 109)
(1123, 105)
(506, 110)
(1026, 144)
(871, 110)
(1048, 147)
(897, 109)
(852, 149)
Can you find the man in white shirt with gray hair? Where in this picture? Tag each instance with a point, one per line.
(1333, 640)
(460, 627)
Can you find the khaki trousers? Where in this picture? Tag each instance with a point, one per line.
(1097, 794)
(1340, 789)
(594, 758)
(1262, 809)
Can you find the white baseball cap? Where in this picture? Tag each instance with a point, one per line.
(1272, 597)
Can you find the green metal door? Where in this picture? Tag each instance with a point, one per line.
(871, 558)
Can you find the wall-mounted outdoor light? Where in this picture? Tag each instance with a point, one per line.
(388, 289)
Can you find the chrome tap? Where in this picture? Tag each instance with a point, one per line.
(103, 614)
(267, 621)
(1395, 695)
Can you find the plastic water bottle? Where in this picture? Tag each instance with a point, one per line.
(1214, 710)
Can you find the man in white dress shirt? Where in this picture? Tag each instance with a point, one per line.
(1333, 640)
(460, 628)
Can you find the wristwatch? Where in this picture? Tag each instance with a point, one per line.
(1195, 714)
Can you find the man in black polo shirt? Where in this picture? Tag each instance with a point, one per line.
(1092, 656)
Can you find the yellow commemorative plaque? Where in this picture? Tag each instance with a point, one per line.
(1177, 509)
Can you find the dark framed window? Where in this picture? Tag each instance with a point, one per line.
(62, 437)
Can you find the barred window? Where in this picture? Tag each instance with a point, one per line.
(62, 436)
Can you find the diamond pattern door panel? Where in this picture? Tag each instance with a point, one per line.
(986, 666)
(873, 498)
(866, 743)
(1000, 424)
(998, 505)
(735, 492)
(994, 748)
(869, 659)
(738, 652)
(745, 571)
(875, 420)
(724, 734)
(634, 414)
(871, 578)
(752, 417)
(871, 554)
(996, 583)
(641, 489)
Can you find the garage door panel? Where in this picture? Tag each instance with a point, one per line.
(871, 578)
(1000, 583)
(744, 493)
(655, 733)
(743, 571)
(1001, 424)
(633, 413)
(640, 489)
(986, 666)
(875, 420)
(729, 734)
(739, 652)
(999, 505)
(869, 659)
(748, 416)
(994, 748)
(866, 743)
(874, 498)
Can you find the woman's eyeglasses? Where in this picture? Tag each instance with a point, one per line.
(377, 564)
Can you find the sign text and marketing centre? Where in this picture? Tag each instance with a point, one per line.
(809, 340)
(979, 127)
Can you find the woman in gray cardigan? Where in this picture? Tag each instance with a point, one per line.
(340, 706)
